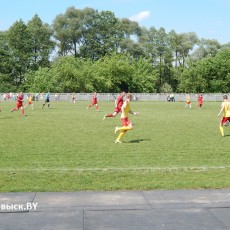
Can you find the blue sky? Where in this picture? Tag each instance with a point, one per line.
(209, 19)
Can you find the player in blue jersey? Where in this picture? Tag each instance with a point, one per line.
(47, 100)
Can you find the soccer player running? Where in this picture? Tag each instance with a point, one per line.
(200, 101)
(47, 100)
(19, 104)
(126, 123)
(188, 102)
(118, 104)
(73, 98)
(225, 108)
(94, 102)
(30, 102)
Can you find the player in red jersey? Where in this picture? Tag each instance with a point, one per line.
(94, 102)
(19, 104)
(118, 104)
(200, 101)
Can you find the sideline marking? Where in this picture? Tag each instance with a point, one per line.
(154, 169)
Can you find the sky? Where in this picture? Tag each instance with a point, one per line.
(209, 19)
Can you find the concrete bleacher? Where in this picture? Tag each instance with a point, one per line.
(117, 210)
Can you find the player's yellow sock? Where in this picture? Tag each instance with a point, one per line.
(121, 135)
(222, 130)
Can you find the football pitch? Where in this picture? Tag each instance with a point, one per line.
(70, 148)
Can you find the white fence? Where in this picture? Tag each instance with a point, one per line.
(111, 97)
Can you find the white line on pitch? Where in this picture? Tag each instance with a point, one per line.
(201, 168)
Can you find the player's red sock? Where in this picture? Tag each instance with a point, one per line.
(97, 107)
(23, 112)
(109, 115)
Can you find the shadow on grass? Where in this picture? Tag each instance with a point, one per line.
(138, 140)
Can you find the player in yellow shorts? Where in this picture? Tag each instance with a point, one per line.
(225, 108)
(30, 101)
(188, 102)
(126, 123)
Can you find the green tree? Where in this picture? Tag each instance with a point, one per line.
(209, 75)
(40, 43)
(41, 80)
(145, 76)
(206, 47)
(103, 35)
(4, 54)
(129, 33)
(122, 72)
(112, 73)
(71, 28)
(91, 34)
(181, 45)
(73, 74)
(157, 45)
(19, 50)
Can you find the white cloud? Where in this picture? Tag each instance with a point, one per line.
(140, 16)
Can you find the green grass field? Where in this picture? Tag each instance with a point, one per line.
(70, 148)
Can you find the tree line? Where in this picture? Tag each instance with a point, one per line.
(85, 50)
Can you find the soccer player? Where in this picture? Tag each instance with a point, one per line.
(172, 97)
(126, 123)
(188, 102)
(94, 102)
(118, 105)
(200, 101)
(73, 98)
(30, 101)
(19, 104)
(225, 108)
(47, 100)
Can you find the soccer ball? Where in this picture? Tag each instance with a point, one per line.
(226, 124)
